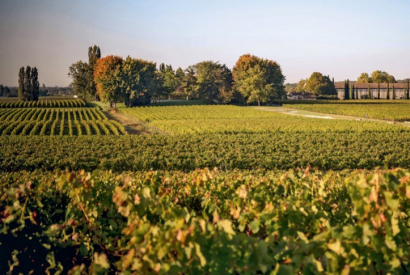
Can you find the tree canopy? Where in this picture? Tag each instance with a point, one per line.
(258, 80)
(133, 81)
(376, 77)
(213, 81)
(107, 76)
(319, 84)
(364, 78)
(82, 74)
(29, 86)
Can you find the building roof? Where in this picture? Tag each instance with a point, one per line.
(341, 85)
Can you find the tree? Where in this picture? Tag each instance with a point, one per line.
(21, 91)
(394, 93)
(6, 91)
(82, 73)
(213, 81)
(408, 90)
(29, 86)
(301, 86)
(378, 90)
(369, 93)
(107, 76)
(189, 82)
(320, 85)
(388, 91)
(351, 92)
(94, 53)
(35, 85)
(1, 90)
(382, 77)
(79, 73)
(347, 89)
(258, 80)
(170, 82)
(364, 78)
(140, 80)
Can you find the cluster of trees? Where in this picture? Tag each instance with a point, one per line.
(4, 91)
(376, 77)
(82, 73)
(136, 81)
(29, 86)
(132, 81)
(318, 84)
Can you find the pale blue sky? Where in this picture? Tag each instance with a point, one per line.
(338, 38)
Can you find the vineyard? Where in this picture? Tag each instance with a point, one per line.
(222, 190)
(48, 103)
(395, 112)
(57, 121)
(335, 151)
(206, 222)
(232, 119)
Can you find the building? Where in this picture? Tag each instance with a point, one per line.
(362, 90)
(302, 96)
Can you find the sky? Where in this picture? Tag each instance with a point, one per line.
(337, 38)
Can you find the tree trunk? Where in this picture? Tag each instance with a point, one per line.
(259, 102)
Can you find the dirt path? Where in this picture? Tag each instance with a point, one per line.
(131, 126)
(310, 114)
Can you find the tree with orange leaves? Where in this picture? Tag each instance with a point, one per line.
(107, 76)
(258, 80)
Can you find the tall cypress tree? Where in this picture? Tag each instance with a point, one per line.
(94, 53)
(378, 90)
(394, 93)
(22, 77)
(35, 84)
(27, 85)
(346, 90)
(388, 91)
(369, 92)
(408, 89)
(352, 92)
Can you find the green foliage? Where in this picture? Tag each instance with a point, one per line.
(319, 84)
(364, 78)
(213, 82)
(258, 80)
(139, 81)
(301, 87)
(382, 77)
(82, 74)
(29, 86)
(206, 222)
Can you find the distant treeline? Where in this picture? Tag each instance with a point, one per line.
(6, 91)
(137, 82)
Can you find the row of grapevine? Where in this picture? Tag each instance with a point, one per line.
(280, 150)
(61, 127)
(233, 119)
(206, 222)
(396, 112)
(46, 121)
(62, 103)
